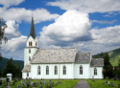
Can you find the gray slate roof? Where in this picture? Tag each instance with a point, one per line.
(54, 56)
(26, 68)
(60, 56)
(82, 57)
(97, 62)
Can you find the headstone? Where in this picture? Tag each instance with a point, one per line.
(0, 82)
(9, 76)
(112, 84)
(118, 85)
(40, 86)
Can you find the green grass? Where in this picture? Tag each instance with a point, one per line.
(67, 84)
(62, 83)
(101, 84)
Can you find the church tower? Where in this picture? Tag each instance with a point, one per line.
(31, 45)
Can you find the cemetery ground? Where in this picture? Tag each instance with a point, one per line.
(60, 83)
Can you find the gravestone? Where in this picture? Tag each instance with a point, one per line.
(118, 85)
(9, 76)
(40, 86)
(112, 84)
(0, 82)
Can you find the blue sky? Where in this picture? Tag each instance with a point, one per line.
(89, 27)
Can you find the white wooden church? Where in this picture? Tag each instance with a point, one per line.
(61, 63)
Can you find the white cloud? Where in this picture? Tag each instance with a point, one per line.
(14, 44)
(104, 21)
(12, 29)
(7, 3)
(109, 35)
(69, 27)
(88, 5)
(71, 30)
(14, 47)
(19, 14)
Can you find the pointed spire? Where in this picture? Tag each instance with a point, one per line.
(32, 30)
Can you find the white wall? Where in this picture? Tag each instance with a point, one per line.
(33, 50)
(69, 71)
(99, 73)
(72, 72)
(86, 71)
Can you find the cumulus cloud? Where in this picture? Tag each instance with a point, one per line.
(7, 3)
(69, 27)
(14, 47)
(88, 5)
(72, 29)
(14, 44)
(12, 29)
(20, 14)
(109, 35)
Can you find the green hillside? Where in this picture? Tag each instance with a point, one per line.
(3, 62)
(113, 54)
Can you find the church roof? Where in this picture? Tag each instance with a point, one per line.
(82, 57)
(32, 29)
(26, 68)
(97, 62)
(60, 56)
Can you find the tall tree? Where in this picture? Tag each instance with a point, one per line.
(0, 72)
(10, 68)
(108, 69)
(2, 32)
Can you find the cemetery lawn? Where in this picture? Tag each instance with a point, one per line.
(67, 84)
(102, 84)
(60, 84)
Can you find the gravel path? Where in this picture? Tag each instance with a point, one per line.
(82, 84)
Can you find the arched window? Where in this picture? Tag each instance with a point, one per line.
(47, 70)
(81, 70)
(36, 43)
(55, 70)
(29, 58)
(29, 50)
(64, 70)
(27, 74)
(39, 70)
(30, 43)
(95, 71)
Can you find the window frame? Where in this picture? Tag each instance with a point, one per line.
(95, 71)
(39, 70)
(81, 70)
(55, 70)
(64, 70)
(29, 58)
(30, 43)
(29, 50)
(47, 70)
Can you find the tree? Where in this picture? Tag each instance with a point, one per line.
(108, 69)
(2, 32)
(0, 72)
(18, 71)
(10, 68)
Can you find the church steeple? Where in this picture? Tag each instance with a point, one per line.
(32, 30)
